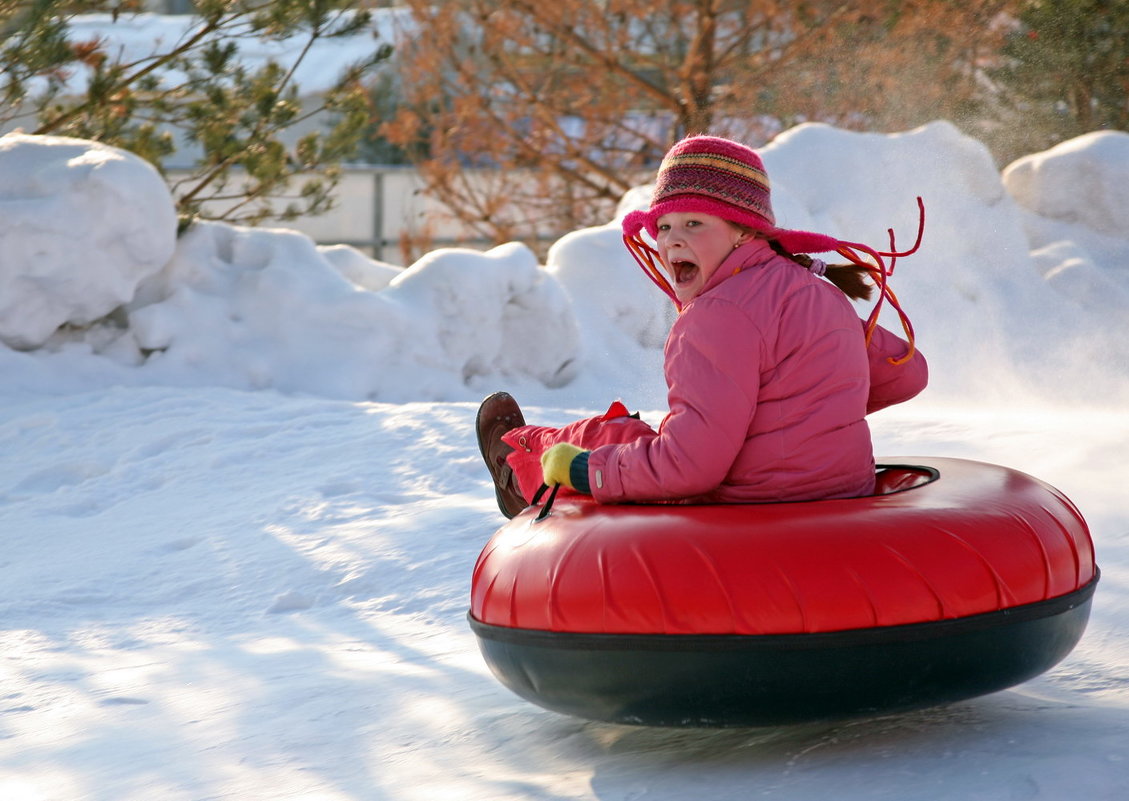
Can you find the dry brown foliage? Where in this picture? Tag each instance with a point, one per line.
(572, 102)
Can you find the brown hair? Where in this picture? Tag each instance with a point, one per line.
(851, 278)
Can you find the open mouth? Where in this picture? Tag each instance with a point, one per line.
(684, 271)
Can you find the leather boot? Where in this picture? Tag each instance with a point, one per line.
(498, 414)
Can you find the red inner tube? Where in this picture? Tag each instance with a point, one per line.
(980, 538)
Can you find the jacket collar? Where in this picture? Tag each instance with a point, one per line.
(754, 253)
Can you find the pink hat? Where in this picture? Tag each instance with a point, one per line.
(711, 175)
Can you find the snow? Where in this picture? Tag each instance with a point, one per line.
(82, 225)
(242, 495)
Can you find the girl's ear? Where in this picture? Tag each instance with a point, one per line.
(743, 235)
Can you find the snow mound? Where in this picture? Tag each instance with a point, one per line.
(358, 268)
(83, 225)
(1084, 180)
(626, 304)
(260, 308)
(488, 316)
(1075, 210)
(98, 291)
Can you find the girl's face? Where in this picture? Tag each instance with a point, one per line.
(692, 247)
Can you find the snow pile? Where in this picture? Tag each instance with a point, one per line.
(1002, 293)
(1084, 180)
(985, 315)
(623, 317)
(259, 308)
(1075, 202)
(83, 225)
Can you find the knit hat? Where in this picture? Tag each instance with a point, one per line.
(711, 175)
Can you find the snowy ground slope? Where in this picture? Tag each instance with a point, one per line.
(225, 594)
(240, 512)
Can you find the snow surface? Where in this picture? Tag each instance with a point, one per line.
(240, 509)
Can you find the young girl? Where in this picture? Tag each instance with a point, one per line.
(770, 372)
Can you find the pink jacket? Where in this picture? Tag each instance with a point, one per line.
(769, 382)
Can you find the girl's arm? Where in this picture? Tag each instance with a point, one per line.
(893, 383)
(713, 378)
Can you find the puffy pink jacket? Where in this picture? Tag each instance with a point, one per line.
(769, 383)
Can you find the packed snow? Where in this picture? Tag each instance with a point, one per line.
(242, 495)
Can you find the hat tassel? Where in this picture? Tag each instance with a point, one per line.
(880, 272)
(646, 256)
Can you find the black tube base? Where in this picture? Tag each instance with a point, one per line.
(735, 680)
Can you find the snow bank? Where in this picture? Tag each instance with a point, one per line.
(83, 224)
(256, 309)
(1084, 180)
(1075, 204)
(1004, 297)
(623, 317)
(988, 323)
(486, 315)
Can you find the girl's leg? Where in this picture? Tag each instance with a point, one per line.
(613, 427)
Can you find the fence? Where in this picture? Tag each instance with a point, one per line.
(383, 211)
(377, 209)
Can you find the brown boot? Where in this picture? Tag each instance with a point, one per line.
(498, 414)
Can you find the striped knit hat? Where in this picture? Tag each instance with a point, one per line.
(711, 175)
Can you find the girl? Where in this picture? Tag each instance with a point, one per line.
(770, 372)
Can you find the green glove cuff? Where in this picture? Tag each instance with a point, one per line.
(578, 473)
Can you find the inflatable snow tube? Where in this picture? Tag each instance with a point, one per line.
(955, 579)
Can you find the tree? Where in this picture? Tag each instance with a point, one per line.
(572, 102)
(196, 92)
(1065, 72)
(898, 65)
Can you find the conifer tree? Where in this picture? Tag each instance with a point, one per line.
(1065, 72)
(198, 92)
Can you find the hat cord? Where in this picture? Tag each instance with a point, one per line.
(880, 272)
(646, 256)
